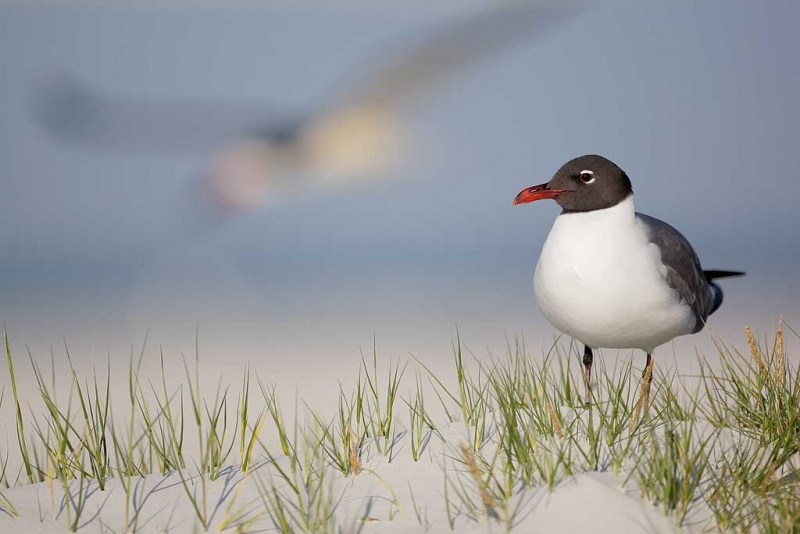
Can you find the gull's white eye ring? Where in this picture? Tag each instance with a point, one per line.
(586, 177)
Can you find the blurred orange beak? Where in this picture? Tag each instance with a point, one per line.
(538, 192)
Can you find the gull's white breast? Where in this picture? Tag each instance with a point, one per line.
(601, 281)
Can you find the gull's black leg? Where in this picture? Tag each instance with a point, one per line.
(644, 393)
(647, 379)
(646, 367)
(588, 358)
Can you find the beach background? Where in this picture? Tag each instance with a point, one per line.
(696, 101)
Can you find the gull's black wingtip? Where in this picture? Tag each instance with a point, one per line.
(714, 274)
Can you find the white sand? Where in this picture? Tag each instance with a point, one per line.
(591, 502)
(380, 499)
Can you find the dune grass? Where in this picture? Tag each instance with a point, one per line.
(720, 448)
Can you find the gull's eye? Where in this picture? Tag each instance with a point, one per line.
(586, 177)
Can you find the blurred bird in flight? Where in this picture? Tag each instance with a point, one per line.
(353, 137)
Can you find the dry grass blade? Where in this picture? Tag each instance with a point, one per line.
(553, 419)
(644, 395)
(355, 462)
(756, 352)
(488, 502)
(779, 366)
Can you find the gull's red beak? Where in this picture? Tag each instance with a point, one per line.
(538, 192)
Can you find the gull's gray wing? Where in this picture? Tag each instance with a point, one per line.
(684, 274)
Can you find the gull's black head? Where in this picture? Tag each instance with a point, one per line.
(585, 183)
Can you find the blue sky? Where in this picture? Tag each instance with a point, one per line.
(697, 101)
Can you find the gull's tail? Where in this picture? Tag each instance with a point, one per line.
(715, 289)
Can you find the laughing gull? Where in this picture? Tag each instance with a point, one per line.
(614, 278)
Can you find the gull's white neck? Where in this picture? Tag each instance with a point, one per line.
(615, 214)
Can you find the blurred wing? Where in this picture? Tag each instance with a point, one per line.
(462, 44)
(71, 112)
